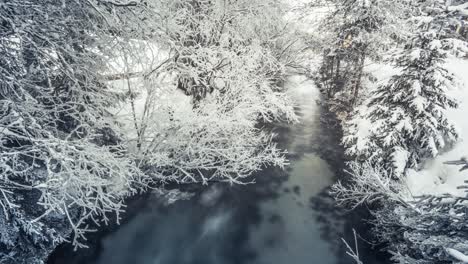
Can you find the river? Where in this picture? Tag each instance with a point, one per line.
(287, 217)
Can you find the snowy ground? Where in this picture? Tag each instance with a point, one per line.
(438, 178)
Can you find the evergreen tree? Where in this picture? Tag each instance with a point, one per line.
(407, 113)
(359, 29)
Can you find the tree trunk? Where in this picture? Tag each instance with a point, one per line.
(357, 85)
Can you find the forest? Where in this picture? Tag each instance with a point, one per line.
(105, 102)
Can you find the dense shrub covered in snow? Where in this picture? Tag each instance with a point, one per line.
(218, 75)
(425, 234)
(61, 162)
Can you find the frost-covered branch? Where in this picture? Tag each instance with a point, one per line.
(353, 253)
(368, 183)
(463, 162)
(457, 255)
(195, 119)
(60, 152)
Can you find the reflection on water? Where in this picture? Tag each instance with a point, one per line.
(294, 236)
(297, 236)
(286, 217)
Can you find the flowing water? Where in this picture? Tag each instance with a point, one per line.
(285, 218)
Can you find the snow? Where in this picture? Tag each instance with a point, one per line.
(363, 126)
(416, 54)
(380, 71)
(419, 103)
(457, 255)
(400, 158)
(435, 177)
(363, 129)
(172, 102)
(435, 44)
(462, 8)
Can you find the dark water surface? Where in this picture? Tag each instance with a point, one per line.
(285, 218)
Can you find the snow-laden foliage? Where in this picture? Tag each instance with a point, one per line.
(68, 160)
(61, 161)
(355, 31)
(448, 20)
(427, 235)
(416, 230)
(207, 36)
(368, 184)
(421, 230)
(194, 115)
(366, 24)
(407, 113)
(401, 125)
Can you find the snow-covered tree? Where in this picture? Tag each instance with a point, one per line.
(453, 26)
(196, 112)
(67, 162)
(205, 36)
(357, 30)
(400, 125)
(62, 162)
(408, 113)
